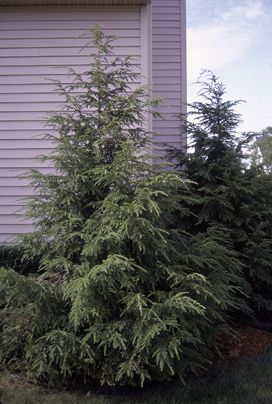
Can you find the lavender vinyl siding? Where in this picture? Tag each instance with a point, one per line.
(168, 68)
(37, 43)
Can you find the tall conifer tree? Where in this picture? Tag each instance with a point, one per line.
(230, 193)
(122, 296)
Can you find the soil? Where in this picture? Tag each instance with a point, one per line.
(250, 342)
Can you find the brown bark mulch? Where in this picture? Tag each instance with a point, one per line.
(251, 342)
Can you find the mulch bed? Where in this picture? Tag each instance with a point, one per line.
(250, 343)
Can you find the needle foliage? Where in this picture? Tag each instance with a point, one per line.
(230, 192)
(123, 296)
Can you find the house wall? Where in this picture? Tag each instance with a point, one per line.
(169, 67)
(35, 45)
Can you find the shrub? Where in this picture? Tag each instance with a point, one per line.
(13, 256)
(124, 297)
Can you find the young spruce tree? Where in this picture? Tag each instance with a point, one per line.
(122, 297)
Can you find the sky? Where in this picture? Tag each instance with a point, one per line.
(233, 38)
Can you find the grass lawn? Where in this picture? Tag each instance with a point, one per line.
(249, 382)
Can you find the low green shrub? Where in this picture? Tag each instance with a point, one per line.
(13, 256)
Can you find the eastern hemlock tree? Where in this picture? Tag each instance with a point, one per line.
(230, 193)
(122, 296)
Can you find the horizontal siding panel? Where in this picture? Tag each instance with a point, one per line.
(87, 14)
(29, 97)
(166, 23)
(170, 3)
(13, 182)
(40, 70)
(169, 45)
(166, 94)
(171, 132)
(21, 116)
(167, 101)
(15, 228)
(167, 87)
(75, 51)
(170, 59)
(33, 79)
(60, 33)
(165, 52)
(25, 144)
(112, 27)
(22, 163)
(168, 116)
(166, 17)
(169, 109)
(12, 201)
(163, 38)
(166, 66)
(177, 144)
(57, 42)
(27, 125)
(23, 134)
(28, 88)
(49, 60)
(166, 31)
(44, 70)
(173, 138)
(169, 9)
(166, 124)
(19, 153)
(11, 219)
(157, 72)
(16, 191)
(13, 173)
(44, 96)
(41, 107)
(11, 210)
(164, 136)
(9, 173)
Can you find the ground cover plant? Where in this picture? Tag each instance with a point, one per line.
(124, 295)
(230, 192)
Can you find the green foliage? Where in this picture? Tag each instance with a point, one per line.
(262, 149)
(124, 296)
(14, 256)
(229, 193)
(247, 382)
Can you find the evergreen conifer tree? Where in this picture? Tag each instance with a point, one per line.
(122, 296)
(230, 193)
